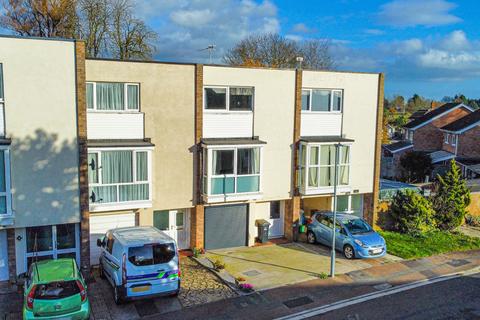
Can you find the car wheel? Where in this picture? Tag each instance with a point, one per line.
(348, 252)
(311, 237)
(116, 295)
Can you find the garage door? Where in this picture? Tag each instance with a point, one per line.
(100, 224)
(225, 226)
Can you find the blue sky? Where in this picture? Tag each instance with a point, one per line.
(429, 47)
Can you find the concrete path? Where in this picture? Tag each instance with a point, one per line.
(271, 266)
(291, 299)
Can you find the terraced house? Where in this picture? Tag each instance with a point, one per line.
(198, 151)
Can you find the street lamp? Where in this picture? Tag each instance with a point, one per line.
(335, 183)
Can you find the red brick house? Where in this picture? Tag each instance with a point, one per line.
(424, 132)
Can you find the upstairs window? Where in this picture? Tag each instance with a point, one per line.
(322, 100)
(112, 96)
(239, 98)
(5, 191)
(321, 166)
(1, 82)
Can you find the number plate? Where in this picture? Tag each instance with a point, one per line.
(375, 251)
(141, 289)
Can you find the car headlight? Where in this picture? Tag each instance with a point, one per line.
(360, 243)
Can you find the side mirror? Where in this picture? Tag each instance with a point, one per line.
(23, 276)
(99, 243)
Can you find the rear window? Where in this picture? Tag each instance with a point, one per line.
(56, 290)
(151, 254)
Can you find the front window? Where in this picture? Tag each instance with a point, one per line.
(235, 170)
(352, 204)
(323, 100)
(118, 176)
(1, 82)
(5, 190)
(239, 98)
(112, 96)
(321, 166)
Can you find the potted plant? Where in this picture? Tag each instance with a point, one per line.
(245, 287)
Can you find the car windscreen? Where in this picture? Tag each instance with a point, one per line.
(151, 254)
(356, 226)
(56, 290)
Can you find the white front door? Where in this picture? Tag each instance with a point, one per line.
(3, 256)
(176, 224)
(276, 219)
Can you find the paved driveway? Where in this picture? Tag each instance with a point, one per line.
(270, 266)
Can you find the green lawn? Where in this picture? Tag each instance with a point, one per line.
(409, 247)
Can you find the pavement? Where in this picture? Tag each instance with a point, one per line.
(291, 299)
(470, 231)
(266, 267)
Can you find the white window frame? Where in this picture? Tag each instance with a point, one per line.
(304, 170)
(55, 252)
(349, 201)
(447, 138)
(330, 106)
(2, 85)
(8, 188)
(207, 175)
(99, 206)
(125, 97)
(227, 100)
(453, 141)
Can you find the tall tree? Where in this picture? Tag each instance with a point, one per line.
(93, 26)
(417, 102)
(451, 198)
(130, 37)
(415, 166)
(274, 50)
(40, 18)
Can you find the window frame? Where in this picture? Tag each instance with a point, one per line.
(227, 100)
(99, 183)
(208, 172)
(349, 203)
(8, 186)
(2, 84)
(330, 106)
(304, 167)
(125, 95)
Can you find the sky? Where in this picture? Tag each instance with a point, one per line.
(428, 47)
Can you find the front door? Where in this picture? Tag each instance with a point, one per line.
(174, 223)
(276, 219)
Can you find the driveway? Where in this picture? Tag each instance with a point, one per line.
(271, 266)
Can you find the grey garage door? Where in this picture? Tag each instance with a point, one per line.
(225, 226)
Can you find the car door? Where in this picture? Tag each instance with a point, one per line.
(109, 262)
(324, 234)
(340, 236)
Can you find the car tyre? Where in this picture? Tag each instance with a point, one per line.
(117, 296)
(311, 237)
(348, 252)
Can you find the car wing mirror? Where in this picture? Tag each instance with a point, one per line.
(99, 242)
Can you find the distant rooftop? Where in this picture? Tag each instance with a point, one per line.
(432, 114)
(463, 123)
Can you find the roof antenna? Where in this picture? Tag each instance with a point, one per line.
(210, 48)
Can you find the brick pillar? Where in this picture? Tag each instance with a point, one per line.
(197, 213)
(12, 260)
(368, 208)
(292, 206)
(378, 150)
(82, 157)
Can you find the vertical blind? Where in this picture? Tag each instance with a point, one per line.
(110, 96)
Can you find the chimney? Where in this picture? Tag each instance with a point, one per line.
(435, 104)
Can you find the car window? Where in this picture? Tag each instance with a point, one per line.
(326, 221)
(56, 290)
(356, 225)
(151, 254)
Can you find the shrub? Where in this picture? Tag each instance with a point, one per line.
(415, 166)
(411, 213)
(218, 265)
(451, 198)
(198, 251)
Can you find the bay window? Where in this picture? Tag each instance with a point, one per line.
(228, 98)
(324, 100)
(234, 170)
(117, 176)
(112, 96)
(317, 166)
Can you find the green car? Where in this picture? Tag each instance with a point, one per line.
(55, 289)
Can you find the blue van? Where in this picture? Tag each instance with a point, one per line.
(139, 262)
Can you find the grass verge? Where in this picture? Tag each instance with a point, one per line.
(409, 247)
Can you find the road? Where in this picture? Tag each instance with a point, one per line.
(457, 298)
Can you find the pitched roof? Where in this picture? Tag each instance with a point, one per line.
(417, 114)
(427, 117)
(441, 155)
(463, 123)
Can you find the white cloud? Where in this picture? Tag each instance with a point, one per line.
(374, 32)
(302, 28)
(186, 26)
(410, 13)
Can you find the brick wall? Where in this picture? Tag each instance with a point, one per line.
(12, 260)
(83, 156)
(378, 149)
(469, 143)
(429, 137)
(448, 147)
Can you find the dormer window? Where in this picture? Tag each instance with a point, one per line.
(112, 96)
